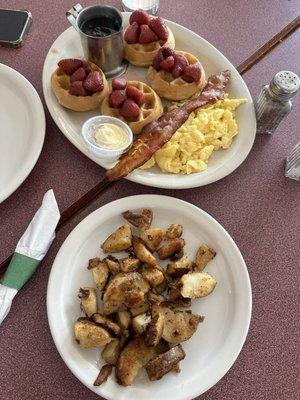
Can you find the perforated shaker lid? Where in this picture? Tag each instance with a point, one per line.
(285, 84)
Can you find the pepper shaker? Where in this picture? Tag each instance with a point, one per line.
(274, 101)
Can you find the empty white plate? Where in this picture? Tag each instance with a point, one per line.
(212, 349)
(22, 129)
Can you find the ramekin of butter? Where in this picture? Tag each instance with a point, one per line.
(106, 137)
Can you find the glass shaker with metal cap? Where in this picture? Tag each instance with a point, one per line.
(274, 101)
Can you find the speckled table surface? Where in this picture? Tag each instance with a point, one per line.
(256, 204)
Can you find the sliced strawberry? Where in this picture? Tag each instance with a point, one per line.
(117, 98)
(192, 73)
(129, 109)
(167, 51)
(167, 64)
(147, 35)
(181, 60)
(119, 83)
(136, 95)
(93, 82)
(140, 17)
(77, 89)
(159, 27)
(177, 71)
(131, 35)
(69, 65)
(86, 66)
(157, 60)
(78, 75)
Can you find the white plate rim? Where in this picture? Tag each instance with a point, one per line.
(140, 176)
(135, 202)
(39, 140)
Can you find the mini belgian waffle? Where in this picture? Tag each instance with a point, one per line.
(60, 83)
(150, 111)
(175, 88)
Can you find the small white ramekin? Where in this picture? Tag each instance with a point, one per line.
(87, 131)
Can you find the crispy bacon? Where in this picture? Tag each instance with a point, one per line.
(157, 133)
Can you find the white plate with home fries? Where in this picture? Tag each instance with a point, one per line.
(208, 147)
(149, 297)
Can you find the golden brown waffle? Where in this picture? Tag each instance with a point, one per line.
(60, 83)
(175, 88)
(143, 54)
(150, 111)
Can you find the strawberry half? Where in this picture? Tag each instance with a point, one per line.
(140, 17)
(192, 73)
(117, 98)
(167, 64)
(77, 89)
(69, 65)
(147, 35)
(93, 82)
(159, 27)
(119, 83)
(129, 109)
(131, 34)
(78, 75)
(136, 95)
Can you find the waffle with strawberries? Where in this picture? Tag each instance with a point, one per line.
(144, 37)
(133, 102)
(79, 85)
(175, 75)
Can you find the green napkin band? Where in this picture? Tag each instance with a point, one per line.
(19, 270)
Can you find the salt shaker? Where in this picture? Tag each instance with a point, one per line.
(274, 101)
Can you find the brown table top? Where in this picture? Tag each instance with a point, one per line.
(256, 204)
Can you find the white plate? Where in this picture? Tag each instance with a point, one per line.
(221, 163)
(22, 129)
(212, 349)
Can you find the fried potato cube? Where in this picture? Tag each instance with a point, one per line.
(100, 272)
(89, 301)
(140, 322)
(154, 330)
(153, 276)
(203, 256)
(164, 363)
(107, 323)
(104, 373)
(142, 252)
(152, 237)
(139, 309)
(179, 326)
(155, 298)
(88, 334)
(178, 268)
(142, 220)
(112, 263)
(111, 352)
(132, 358)
(174, 231)
(129, 264)
(197, 284)
(124, 290)
(118, 241)
(123, 319)
(171, 247)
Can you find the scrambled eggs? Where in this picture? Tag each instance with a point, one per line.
(206, 130)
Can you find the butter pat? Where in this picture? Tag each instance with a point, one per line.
(110, 136)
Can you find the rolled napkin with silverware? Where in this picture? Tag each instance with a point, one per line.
(30, 250)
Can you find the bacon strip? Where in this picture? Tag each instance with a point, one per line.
(157, 133)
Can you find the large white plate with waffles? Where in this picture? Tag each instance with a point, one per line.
(221, 163)
(212, 349)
